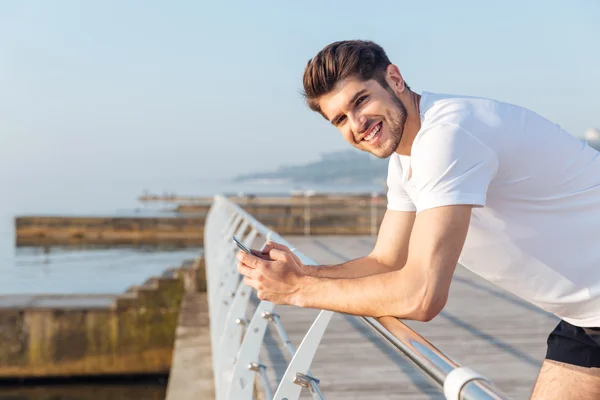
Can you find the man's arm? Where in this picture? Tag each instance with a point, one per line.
(389, 254)
(417, 291)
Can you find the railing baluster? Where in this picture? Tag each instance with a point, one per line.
(219, 260)
(291, 383)
(287, 343)
(227, 258)
(242, 380)
(230, 278)
(231, 337)
(239, 304)
(227, 283)
(221, 257)
(268, 395)
(234, 324)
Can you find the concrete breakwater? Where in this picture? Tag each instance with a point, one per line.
(315, 215)
(95, 335)
(57, 230)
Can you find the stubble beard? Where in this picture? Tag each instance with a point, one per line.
(396, 120)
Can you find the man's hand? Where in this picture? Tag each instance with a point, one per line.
(277, 279)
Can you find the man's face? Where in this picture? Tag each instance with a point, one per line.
(370, 117)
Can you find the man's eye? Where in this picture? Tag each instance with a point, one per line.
(361, 100)
(340, 119)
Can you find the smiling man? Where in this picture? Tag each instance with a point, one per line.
(496, 187)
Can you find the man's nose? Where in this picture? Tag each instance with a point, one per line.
(359, 123)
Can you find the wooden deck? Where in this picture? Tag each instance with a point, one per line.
(482, 327)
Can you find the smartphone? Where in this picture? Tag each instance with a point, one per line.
(240, 245)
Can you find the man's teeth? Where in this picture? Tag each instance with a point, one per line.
(373, 133)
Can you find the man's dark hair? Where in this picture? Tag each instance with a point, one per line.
(361, 59)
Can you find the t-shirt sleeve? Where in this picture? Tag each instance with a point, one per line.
(397, 198)
(450, 166)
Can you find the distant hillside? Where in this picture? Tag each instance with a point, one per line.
(341, 167)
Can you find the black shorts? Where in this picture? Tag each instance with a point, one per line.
(574, 345)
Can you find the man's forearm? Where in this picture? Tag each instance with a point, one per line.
(402, 294)
(357, 268)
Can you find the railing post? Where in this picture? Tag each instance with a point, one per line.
(221, 257)
(228, 281)
(214, 254)
(230, 341)
(242, 381)
(226, 255)
(297, 371)
(234, 324)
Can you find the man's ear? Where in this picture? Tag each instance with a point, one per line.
(394, 78)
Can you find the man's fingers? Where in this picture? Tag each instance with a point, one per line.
(250, 282)
(282, 248)
(246, 270)
(279, 255)
(249, 259)
(273, 245)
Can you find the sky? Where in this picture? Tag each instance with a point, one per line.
(207, 89)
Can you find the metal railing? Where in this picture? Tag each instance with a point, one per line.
(236, 341)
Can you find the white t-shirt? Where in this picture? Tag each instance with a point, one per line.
(535, 227)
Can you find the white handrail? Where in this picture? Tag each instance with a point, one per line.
(234, 376)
